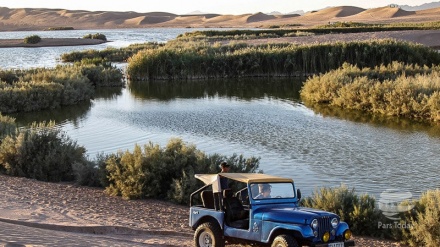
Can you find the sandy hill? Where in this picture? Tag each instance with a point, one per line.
(260, 17)
(433, 11)
(383, 13)
(333, 12)
(40, 19)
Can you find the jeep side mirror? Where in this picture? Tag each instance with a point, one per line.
(298, 194)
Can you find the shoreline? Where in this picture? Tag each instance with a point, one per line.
(50, 42)
(430, 38)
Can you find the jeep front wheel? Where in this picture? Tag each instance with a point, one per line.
(208, 235)
(284, 241)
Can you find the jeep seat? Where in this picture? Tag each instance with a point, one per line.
(235, 214)
(207, 199)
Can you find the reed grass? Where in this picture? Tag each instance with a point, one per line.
(336, 27)
(109, 54)
(192, 60)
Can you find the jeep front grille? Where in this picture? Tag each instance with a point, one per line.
(324, 225)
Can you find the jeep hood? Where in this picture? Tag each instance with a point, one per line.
(292, 215)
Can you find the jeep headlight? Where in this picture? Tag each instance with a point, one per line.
(335, 222)
(347, 234)
(314, 224)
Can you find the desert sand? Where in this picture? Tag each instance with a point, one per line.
(42, 19)
(64, 207)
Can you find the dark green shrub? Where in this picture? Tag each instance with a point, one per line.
(7, 126)
(95, 36)
(86, 174)
(33, 39)
(41, 152)
(8, 76)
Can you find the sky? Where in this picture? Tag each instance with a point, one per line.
(234, 7)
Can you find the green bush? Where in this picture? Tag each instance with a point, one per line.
(41, 152)
(359, 212)
(155, 172)
(7, 126)
(33, 39)
(425, 230)
(95, 36)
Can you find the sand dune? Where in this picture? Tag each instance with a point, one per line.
(260, 17)
(40, 19)
(330, 13)
(384, 12)
(434, 11)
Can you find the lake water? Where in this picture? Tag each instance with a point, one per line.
(263, 118)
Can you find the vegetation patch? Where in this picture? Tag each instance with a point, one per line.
(335, 27)
(397, 89)
(48, 88)
(59, 28)
(95, 36)
(193, 60)
(109, 54)
(361, 212)
(41, 152)
(33, 39)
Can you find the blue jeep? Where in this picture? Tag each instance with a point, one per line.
(263, 210)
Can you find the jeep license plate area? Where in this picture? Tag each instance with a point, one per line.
(340, 244)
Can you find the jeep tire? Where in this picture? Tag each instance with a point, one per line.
(208, 235)
(284, 241)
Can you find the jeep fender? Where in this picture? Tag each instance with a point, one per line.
(201, 215)
(272, 229)
(342, 227)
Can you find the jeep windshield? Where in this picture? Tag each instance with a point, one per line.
(261, 191)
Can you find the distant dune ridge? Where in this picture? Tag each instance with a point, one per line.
(40, 19)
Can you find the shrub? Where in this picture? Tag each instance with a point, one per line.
(8, 76)
(95, 36)
(397, 90)
(425, 229)
(41, 152)
(357, 211)
(7, 126)
(49, 88)
(155, 172)
(33, 39)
